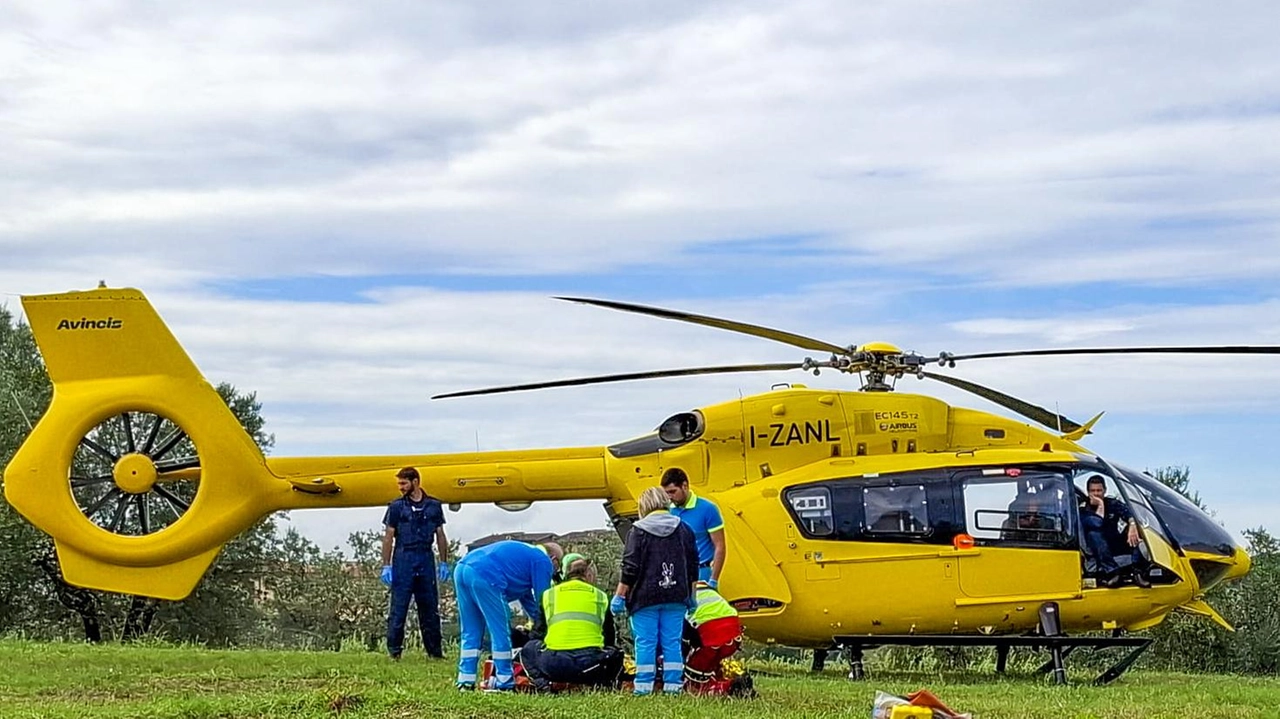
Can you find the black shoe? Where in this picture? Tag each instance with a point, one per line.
(1110, 582)
(395, 657)
(434, 656)
(1140, 579)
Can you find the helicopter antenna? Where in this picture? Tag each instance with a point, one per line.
(1058, 411)
(477, 439)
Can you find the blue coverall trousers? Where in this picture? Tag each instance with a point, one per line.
(481, 608)
(414, 580)
(655, 627)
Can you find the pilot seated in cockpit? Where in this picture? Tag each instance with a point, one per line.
(1111, 536)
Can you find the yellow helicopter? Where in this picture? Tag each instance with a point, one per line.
(853, 518)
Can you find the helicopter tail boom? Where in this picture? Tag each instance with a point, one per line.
(500, 477)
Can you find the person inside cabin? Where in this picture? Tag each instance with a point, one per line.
(1033, 518)
(1111, 537)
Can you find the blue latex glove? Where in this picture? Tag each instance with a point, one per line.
(713, 584)
(386, 575)
(444, 571)
(618, 605)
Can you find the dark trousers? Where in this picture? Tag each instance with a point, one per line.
(1104, 559)
(422, 590)
(590, 666)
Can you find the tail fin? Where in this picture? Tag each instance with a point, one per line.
(104, 334)
(133, 439)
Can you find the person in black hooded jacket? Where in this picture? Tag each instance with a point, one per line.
(659, 569)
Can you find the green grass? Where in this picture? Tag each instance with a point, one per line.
(72, 680)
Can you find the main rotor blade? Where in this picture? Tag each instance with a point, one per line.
(789, 338)
(1049, 419)
(726, 369)
(1219, 350)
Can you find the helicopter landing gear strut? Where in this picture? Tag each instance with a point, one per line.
(856, 671)
(853, 653)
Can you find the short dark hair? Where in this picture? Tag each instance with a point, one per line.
(1096, 479)
(409, 473)
(675, 475)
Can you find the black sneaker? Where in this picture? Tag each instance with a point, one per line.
(465, 686)
(1140, 579)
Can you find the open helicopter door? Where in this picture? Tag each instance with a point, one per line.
(1155, 545)
(1024, 523)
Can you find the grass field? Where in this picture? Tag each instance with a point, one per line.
(70, 680)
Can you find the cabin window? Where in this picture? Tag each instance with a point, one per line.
(901, 509)
(812, 508)
(911, 507)
(1031, 509)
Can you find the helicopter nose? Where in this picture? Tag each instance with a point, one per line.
(1240, 565)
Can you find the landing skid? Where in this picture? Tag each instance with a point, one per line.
(1059, 647)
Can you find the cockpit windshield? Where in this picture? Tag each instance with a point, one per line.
(1191, 527)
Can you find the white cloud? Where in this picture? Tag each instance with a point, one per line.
(481, 140)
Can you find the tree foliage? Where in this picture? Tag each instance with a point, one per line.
(1251, 605)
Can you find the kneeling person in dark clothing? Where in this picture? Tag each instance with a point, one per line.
(577, 648)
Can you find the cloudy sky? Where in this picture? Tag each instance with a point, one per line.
(348, 207)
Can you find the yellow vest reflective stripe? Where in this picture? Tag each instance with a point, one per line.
(711, 606)
(575, 615)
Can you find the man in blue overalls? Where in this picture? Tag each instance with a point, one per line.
(410, 570)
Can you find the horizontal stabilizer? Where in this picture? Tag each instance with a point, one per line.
(1201, 608)
(1078, 433)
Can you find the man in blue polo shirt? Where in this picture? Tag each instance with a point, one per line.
(703, 517)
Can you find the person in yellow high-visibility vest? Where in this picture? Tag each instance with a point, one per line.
(578, 644)
(719, 632)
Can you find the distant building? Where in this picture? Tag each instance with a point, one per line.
(568, 538)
